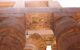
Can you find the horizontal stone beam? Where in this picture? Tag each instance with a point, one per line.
(27, 10)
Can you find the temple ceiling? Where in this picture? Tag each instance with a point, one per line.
(62, 28)
(38, 20)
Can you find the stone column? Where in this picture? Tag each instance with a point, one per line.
(12, 32)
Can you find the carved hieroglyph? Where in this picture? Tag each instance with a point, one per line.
(38, 20)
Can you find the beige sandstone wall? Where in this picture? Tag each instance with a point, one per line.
(36, 4)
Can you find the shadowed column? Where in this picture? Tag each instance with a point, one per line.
(67, 31)
(12, 32)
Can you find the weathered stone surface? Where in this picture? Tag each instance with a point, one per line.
(35, 41)
(66, 28)
(36, 4)
(11, 39)
(6, 4)
(13, 20)
(38, 20)
(12, 32)
(67, 31)
(63, 24)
